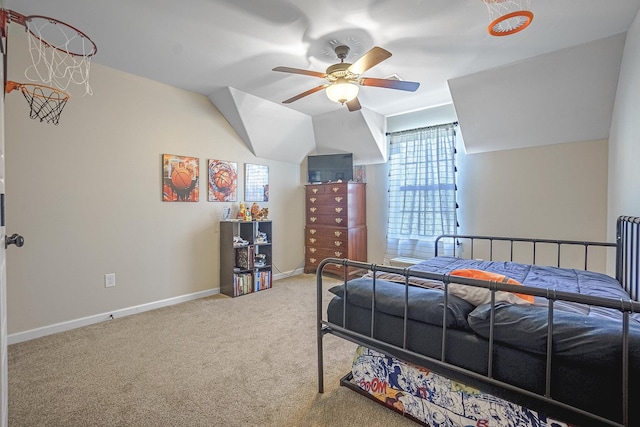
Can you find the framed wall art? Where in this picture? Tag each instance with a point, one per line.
(180, 178)
(223, 181)
(256, 183)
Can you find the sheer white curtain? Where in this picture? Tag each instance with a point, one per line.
(422, 191)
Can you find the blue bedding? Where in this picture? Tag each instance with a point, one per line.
(559, 279)
(586, 333)
(583, 333)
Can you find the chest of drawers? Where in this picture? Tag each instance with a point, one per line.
(336, 225)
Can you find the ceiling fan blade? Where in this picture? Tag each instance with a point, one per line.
(373, 57)
(303, 94)
(390, 84)
(300, 71)
(353, 105)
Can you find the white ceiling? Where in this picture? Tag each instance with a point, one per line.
(205, 45)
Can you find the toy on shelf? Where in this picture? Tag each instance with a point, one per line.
(261, 237)
(260, 260)
(255, 211)
(241, 210)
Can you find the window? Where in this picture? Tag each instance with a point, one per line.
(422, 190)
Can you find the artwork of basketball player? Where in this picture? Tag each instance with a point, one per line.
(223, 181)
(180, 178)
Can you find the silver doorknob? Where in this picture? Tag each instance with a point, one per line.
(14, 239)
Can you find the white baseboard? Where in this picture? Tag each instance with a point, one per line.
(85, 321)
(90, 320)
(286, 274)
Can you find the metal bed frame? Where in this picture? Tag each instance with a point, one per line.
(627, 273)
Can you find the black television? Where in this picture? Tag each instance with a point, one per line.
(330, 167)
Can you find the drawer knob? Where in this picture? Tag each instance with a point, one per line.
(338, 254)
(313, 210)
(339, 220)
(312, 260)
(312, 240)
(338, 199)
(338, 233)
(312, 231)
(336, 189)
(313, 219)
(312, 250)
(313, 200)
(315, 190)
(338, 243)
(338, 210)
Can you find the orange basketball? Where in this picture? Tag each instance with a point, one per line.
(181, 178)
(222, 179)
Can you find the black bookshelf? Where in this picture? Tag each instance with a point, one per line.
(245, 257)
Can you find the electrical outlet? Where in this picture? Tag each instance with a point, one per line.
(109, 280)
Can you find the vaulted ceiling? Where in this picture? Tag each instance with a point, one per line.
(226, 50)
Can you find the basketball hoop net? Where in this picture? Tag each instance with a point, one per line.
(46, 103)
(508, 16)
(60, 53)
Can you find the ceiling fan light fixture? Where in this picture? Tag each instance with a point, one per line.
(342, 91)
(343, 80)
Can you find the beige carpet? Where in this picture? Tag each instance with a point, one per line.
(247, 361)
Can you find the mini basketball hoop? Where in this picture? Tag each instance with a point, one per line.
(508, 16)
(46, 103)
(60, 54)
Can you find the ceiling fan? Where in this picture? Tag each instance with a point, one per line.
(344, 79)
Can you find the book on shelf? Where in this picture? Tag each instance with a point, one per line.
(247, 282)
(242, 284)
(262, 279)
